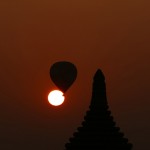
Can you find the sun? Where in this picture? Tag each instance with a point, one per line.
(56, 97)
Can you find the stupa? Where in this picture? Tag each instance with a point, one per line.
(98, 130)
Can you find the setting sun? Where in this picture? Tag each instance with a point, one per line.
(56, 97)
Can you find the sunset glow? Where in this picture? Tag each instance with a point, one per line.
(56, 97)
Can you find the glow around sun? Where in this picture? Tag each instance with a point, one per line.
(56, 97)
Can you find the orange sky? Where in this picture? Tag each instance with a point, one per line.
(111, 35)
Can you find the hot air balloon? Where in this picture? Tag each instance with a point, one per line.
(63, 74)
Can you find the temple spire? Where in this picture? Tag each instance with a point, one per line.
(98, 130)
(99, 99)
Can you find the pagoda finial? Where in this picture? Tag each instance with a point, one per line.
(99, 98)
(99, 74)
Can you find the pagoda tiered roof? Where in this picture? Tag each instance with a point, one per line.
(98, 130)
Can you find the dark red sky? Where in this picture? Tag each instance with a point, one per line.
(111, 35)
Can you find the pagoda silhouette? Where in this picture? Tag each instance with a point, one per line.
(98, 130)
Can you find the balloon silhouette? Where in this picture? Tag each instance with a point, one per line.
(63, 74)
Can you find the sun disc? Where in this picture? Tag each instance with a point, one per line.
(56, 97)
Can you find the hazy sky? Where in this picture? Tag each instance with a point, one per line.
(111, 35)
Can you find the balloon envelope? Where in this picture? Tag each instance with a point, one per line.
(63, 74)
